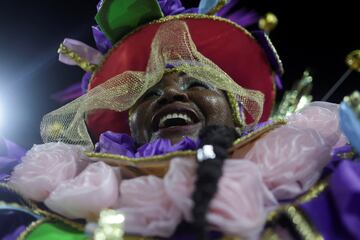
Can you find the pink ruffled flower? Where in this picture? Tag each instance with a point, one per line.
(291, 158)
(94, 189)
(242, 201)
(148, 209)
(179, 184)
(321, 117)
(44, 167)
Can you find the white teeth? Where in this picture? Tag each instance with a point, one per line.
(174, 115)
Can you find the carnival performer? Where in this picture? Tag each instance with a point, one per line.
(173, 140)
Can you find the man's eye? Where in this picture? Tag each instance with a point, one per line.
(197, 84)
(152, 93)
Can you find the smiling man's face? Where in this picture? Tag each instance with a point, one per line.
(176, 107)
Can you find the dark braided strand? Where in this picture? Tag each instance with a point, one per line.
(209, 172)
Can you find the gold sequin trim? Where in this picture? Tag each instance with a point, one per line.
(347, 155)
(314, 191)
(302, 225)
(217, 8)
(269, 234)
(278, 60)
(30, 228)
(235, 110)
(157, 158)
(81, 62)
(52, 216)
(257, 133)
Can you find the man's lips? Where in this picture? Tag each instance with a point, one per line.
(174, 116)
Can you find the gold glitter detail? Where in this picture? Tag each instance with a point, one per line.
(347, 155)
(238, 119)
(217, 8)
(81, 62)
(269, 234)
(297, 218)
(278, 60)
(302, 225)
(257, 133)
(268, 22)
(295, 99)
(52, 216)
(30, 228)
(134, 161)
(314, 191)
(353, 60)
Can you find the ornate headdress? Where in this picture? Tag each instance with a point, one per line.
(142, 39)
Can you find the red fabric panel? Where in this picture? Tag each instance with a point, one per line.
(230, 48)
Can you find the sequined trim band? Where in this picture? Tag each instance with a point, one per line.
(314, 191)
(218, 6)
(52, 216)
(293, 218)
(30, 228)
(257, 133)
(157, 158)
(238, 119)
(84, 64)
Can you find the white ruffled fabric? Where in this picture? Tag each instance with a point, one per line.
(281, 165)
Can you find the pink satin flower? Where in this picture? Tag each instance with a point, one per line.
(84, 196)
(46, 166)
(291, 158)
(321, 117)
(242, 201)
(148, 209)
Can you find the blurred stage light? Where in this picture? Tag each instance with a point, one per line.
(2, 112)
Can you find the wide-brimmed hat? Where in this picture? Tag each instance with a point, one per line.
(248, 59)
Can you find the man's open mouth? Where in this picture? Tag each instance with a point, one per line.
(172, 117)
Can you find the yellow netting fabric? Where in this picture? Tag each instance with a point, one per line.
(172, 44)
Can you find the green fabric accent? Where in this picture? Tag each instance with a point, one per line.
(117, 18)
(55, 231)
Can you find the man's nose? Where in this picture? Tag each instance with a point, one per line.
(172, 94)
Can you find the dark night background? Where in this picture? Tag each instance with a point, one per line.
(308, 36)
